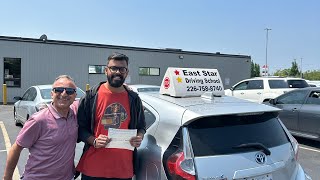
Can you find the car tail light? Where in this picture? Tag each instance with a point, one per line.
(41, 106)
(181, 168)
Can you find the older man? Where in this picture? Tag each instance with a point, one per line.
(50, 135)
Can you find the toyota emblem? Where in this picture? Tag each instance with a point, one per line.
(261, 158)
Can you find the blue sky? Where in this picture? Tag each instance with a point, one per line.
(226, 26)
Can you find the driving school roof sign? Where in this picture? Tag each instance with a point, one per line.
(182, 82)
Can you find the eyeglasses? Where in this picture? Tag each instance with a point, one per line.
(115, 69)
(69, 91)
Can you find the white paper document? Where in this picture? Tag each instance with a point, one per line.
(120, 138)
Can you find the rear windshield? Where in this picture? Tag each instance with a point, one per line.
(221, 134)
(296, 83)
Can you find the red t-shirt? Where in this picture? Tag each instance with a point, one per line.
(112, 111)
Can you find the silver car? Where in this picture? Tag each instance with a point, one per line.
(34, 99)
(300, 111)
(215, 138)
(144, 88)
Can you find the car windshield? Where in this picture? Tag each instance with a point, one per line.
(46, 93)
(206, 133)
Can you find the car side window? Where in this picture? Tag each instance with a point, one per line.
(255, 84)
(276, 84)
(314, 98)
(296, 97)
(33, 94)
(149, 117)
(26, 95)
(241, 86)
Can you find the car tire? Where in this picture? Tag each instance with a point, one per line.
(16, 121)
(26, 119)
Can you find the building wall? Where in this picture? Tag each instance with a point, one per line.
(41, 62)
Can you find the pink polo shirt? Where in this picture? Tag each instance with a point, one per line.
(51, 140)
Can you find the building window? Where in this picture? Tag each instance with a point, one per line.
(12, 72)
(96, 69)
(149, 71)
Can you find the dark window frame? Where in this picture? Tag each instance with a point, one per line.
(102, 70)
(148, 73)
(12, 78)
(150, 118)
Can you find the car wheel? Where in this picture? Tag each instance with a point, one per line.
(26, 119)
(16, 121)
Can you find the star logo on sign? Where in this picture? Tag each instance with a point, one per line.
(179, 80)
(177, 72)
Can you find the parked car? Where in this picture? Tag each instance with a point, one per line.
(212, 137)
(300, 111)
(144, 88)
(262, 89)
(34, 99)
(313, 83)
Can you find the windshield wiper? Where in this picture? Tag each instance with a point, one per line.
(258, 146)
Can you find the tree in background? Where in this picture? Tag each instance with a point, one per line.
(282, 73)
(312, 75)
(255, 69)
(294, 70)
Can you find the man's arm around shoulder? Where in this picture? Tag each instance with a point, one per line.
(12, 161)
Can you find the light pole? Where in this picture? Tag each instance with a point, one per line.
(267, 68)
(301, 68)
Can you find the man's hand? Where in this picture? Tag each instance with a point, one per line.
(102, 141)
(136, 141)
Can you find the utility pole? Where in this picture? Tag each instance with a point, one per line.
(267, 68)
(301, 68)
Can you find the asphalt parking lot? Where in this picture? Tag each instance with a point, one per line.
(309, 152)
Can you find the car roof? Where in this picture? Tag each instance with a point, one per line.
(143, 86)
(273, 77)
(44, 86)
(199, 106)
(306, 88)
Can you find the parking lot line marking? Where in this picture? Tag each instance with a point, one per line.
(310, 149)
(7, 143)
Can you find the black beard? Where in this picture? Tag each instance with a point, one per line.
(115, 83)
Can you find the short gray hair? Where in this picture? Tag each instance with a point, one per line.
(64, 76)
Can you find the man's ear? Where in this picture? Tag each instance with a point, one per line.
(127, 73)
(106, 71)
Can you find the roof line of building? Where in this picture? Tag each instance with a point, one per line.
(70, 43)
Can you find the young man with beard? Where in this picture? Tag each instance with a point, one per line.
(109, 105)
(50, 135)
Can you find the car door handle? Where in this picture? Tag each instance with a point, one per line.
(294, 109)
(259, 93)
(242, 93)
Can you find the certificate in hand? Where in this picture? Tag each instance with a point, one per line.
(120, 138)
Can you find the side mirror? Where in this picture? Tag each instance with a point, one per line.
(273, 101)
(232, 88)
(17, 98)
